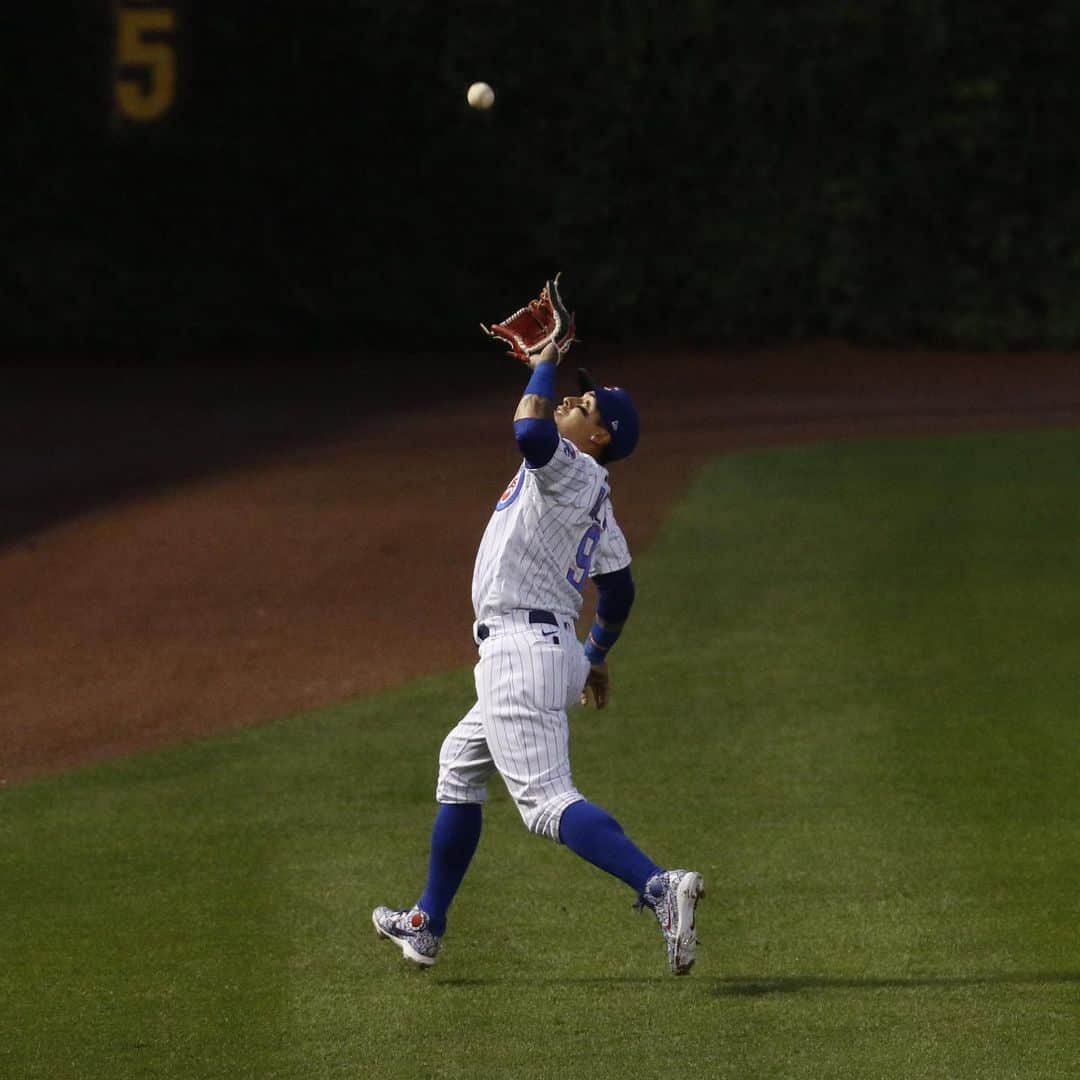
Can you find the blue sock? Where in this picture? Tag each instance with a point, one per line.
(598, 838)
(454, 837)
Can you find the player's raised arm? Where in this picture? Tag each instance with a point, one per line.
(534, 419)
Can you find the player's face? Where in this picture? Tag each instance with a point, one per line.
(578, 419)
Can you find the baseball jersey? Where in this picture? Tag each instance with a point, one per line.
(553, 527)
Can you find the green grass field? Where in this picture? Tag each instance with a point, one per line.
(848, 696)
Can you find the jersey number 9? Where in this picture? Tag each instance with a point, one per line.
(577, 573)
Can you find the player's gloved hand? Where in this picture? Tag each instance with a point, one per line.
(540, 322)
(549, 353)
(599, 683)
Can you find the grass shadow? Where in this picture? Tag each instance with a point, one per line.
(761, 986)
(580, 980)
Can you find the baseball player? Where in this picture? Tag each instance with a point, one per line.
(553, 527)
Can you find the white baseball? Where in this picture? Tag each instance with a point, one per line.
(481, 96)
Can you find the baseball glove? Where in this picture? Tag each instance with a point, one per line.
(540, 321)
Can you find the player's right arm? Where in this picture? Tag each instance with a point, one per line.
(616, 598)
(615, 591)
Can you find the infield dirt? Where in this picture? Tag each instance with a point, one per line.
(244, 575)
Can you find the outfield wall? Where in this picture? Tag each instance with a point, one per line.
(705, 172)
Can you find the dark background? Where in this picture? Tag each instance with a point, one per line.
(702, 172)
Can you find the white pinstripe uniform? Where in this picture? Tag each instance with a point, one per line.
(553, 527)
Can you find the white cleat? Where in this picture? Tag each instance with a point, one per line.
(408, 930)
(673, 896)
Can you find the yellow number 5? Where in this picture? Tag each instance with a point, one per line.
(151, 96)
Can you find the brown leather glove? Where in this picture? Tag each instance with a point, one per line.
(540, 321)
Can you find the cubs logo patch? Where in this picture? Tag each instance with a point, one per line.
(513, 490)
(569, 450)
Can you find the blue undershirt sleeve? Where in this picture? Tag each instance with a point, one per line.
(537, 440)
(616, 595)
(616, 598)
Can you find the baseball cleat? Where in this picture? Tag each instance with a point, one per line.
(673, 895)
(408, 930)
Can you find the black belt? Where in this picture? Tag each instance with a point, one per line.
(482, 631)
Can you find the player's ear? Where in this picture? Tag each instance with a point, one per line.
(600, 438)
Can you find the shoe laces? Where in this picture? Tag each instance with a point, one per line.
(646, 900)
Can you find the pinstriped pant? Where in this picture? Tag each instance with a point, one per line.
(527, 677)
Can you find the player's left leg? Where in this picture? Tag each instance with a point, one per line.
(454, 838)
(464, 767)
